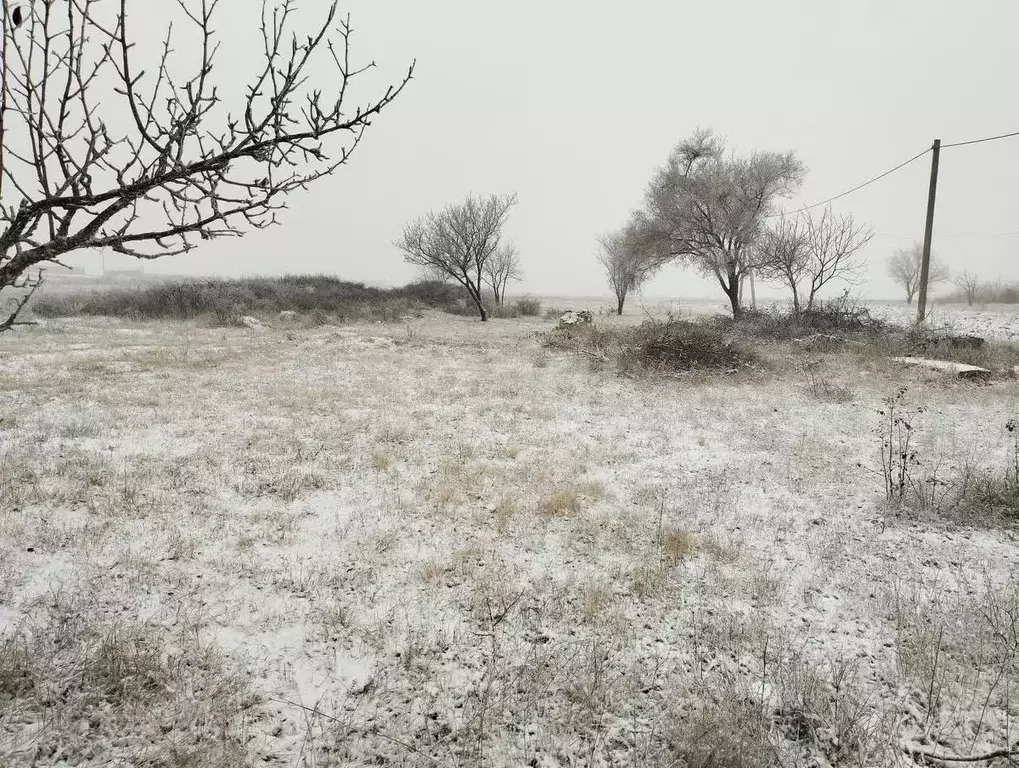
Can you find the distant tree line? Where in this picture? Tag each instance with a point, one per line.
(904, 268)
(972, 290)
(708, 208)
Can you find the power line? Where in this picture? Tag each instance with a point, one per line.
(981, 141)
(901, 165)
(859, 186)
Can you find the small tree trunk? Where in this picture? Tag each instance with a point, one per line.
(796, 301)
(619, 304)
(733, 292)
(811, 298)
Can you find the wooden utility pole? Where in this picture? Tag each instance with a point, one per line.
(925, 263)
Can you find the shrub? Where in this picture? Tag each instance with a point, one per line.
(841, 315)
(529, 307)
(224, 302)
(669, 345)
(820, 387)
(433, 293)
(504, 311)
(680, 345)
(994, 496)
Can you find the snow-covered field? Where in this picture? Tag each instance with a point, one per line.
(991, 321)
(438, 543)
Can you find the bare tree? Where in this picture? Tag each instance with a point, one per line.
(833, 246)
(904, 269)
(503, 266)
(459, 241)
(969, 284)
(105, 144)
(624, 266)
(782, 255)
(707, 208)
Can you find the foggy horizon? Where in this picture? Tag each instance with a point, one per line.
(573, 107)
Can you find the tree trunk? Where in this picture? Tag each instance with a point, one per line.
(796, 301)
(619, 304)
(733, 292)
(478, 302)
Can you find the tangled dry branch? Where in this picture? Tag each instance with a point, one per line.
(101, 151)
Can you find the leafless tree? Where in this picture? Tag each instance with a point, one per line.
(459, 241)
(782, 254)
(503, 266)
(834, 244)
(969, 284)
(904, 269)
(109, 140)
(624, 265)
(707, 208)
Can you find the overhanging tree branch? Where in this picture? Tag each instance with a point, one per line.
(166, 161)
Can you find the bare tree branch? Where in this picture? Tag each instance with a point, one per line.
(503, 266)
(782, 255)
(834, 244)
(98, 151)
(811, 250)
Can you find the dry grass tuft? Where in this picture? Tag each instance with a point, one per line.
(119, 692)
(562, 503)
(380, 461)
(677, 545)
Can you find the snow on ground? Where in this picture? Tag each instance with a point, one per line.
(437, 543)
(991, 321)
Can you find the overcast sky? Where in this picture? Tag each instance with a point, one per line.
(573, 105)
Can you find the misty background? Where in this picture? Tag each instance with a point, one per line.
(574, 104)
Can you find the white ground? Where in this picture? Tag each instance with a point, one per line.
(991, 321)
(452, 547)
